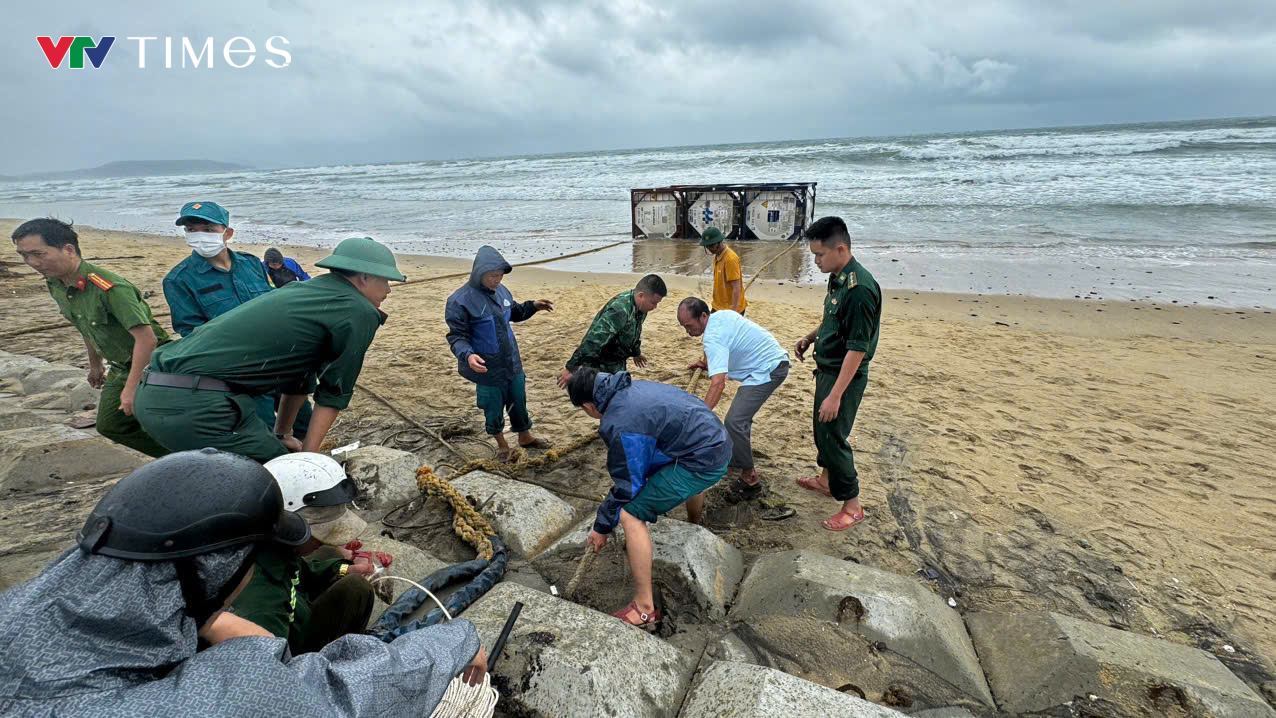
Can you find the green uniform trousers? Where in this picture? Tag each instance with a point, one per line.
(186, 419)
(343, 608)
(494, 400)
(834, 451)
(118, 426)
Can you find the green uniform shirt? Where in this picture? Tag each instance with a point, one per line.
(279, 595)
(852, 317)
(104, 306)
(614, 336)
(292, 339)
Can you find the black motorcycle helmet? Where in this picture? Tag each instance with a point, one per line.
(187, 504)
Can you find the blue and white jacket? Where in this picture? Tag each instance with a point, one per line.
(647, 425)
(478, 322)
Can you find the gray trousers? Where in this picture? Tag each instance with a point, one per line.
(739, 421)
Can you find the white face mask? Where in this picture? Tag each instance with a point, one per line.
(205, 244)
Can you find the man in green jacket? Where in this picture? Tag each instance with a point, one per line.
(615, 334)
(112, 318)
(308, 337)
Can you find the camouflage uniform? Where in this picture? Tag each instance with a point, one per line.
(613, 337)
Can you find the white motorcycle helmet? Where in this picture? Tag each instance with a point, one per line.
(317, 488)
(310, 479)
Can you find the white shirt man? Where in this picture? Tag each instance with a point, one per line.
(739, 349)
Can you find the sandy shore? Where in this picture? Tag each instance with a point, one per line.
(1107, 460)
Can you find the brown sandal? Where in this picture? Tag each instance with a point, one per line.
(855, 520)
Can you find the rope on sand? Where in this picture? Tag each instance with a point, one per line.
(62, 325)
(758, 273)
(56, 325)
(420, 427)
(454, 275)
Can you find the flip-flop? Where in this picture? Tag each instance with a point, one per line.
(537, 444)
(649, 621)
(777, 513)
(812, 483)
(855, 520)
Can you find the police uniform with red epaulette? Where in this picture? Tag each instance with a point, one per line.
(103, 306)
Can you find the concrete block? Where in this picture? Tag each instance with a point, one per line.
(527, 518)
(386, 477)
(563, 659)
(745, 691)
(839, 657)
(946, 712)
(1038, 661)
(882, 607)
(80, 395)
(49, 457)
(528, 577)
(13, 366)
(684, 555)
(46, 400)
(12, 417)
(40, 379)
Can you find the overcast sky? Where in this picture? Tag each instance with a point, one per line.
(388, 81)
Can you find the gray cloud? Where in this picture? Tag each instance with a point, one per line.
(406, 80)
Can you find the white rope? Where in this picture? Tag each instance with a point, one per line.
(461, 700)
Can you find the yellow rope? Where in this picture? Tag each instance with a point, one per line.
(470, 526)
(468, 523)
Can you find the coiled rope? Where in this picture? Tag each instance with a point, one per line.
(460, 700)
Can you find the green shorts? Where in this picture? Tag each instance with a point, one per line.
(669, 488)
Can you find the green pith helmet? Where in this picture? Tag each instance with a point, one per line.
(363, 254)
(711, 236)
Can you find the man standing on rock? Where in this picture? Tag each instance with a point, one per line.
(738, 349)
(309, 337)
(844, 345)
(664, 448)
(214, 280)
(112, 318)
(615, 334)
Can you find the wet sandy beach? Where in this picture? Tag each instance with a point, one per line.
(1105, 459)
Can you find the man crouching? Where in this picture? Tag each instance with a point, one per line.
(664, 448)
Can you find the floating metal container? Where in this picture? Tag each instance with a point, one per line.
(657, 213)
(770, 211)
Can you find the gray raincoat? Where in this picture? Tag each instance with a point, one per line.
(99, 636)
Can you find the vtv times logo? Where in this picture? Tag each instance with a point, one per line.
(76, 49)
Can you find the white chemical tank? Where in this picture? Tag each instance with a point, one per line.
(772, 215)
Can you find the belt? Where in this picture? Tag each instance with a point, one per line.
(184, 381)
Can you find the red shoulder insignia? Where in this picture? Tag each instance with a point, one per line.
(102, 282)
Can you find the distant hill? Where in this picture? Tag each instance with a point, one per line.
(133, 168)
